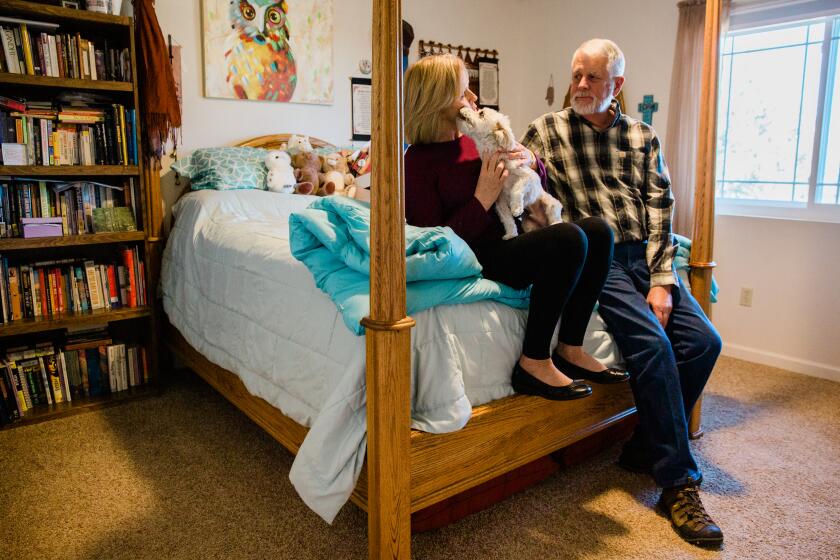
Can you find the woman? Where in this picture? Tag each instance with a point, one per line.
(446, 183)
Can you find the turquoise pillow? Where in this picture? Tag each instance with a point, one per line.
(224, 168)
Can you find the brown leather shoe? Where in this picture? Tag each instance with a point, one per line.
(688, 516)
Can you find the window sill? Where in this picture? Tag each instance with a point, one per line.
(826, 213)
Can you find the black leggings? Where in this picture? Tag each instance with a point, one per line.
(566, 266)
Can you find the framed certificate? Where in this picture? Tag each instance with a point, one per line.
(360, 92)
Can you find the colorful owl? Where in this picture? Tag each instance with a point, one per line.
(261, 64)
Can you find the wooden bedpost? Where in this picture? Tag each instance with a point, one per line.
(704, 190)
(388, 328)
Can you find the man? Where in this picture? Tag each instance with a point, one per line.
(603, 163)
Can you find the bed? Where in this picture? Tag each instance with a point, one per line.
(406, 470)
(235, 293)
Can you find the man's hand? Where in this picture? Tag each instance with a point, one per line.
(521, 155)
(660, 301)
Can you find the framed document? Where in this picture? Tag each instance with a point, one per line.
(360, 91)
(488, 82)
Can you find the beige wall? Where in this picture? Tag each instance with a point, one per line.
(792, 266)
(550, 30)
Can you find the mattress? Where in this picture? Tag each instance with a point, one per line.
(232, 288)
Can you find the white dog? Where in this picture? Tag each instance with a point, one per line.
(491, 132)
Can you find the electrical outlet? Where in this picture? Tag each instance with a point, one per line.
(746, 297)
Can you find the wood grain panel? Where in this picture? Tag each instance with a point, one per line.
(69, 170)
(21, 244)
(64, 83)
(56, 322)
(45, 12)
(274, 141)
(505, 434)
(704, 192)
(388, 329)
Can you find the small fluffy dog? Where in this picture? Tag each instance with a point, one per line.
(491, 132)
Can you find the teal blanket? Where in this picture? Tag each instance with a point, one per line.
(332, 238)
(682, 258)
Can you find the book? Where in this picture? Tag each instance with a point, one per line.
(51, 365)
(113, 219)
(13, 153)
(41, 227)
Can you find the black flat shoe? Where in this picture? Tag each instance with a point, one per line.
(607, 376)
(526, 384)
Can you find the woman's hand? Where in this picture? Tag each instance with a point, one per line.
(521, 156)
(490, 180)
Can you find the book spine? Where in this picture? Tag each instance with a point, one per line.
(51, 363)
(113, 286)
(27, 49)
(93, 285)
(20, 397)
(128, 259)
(45, 379)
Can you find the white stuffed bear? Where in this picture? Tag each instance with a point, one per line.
(297, 144)
(281, 176)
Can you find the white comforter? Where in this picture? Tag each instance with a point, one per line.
(232, 288)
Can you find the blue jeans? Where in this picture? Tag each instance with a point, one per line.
(668, 367)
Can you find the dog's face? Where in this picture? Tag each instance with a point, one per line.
(487, 127)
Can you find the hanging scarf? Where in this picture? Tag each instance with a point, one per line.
(160, 114)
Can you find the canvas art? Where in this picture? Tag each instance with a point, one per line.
(268, 50)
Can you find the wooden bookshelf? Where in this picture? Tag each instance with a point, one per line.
(58, 322)
(59, 15)
(64, 83)
(21, 244)
(83, 404)
(73, 171)
(136, 325)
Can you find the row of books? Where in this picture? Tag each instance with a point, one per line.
(50, 288)
(39, 377)
(40, 134)
(62, 55)
(77, 203)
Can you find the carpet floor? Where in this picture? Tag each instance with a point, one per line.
(186, 475)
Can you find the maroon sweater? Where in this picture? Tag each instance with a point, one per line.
(440, 180)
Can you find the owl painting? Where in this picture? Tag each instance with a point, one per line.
(249, 51)
(261, 64)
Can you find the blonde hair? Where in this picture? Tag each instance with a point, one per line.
(431, 85)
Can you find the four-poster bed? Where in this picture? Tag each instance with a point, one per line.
(408, 470)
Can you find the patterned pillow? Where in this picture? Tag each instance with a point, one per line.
(224, 168)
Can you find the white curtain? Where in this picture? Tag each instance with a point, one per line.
(684, 111)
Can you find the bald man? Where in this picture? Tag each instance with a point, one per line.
(603, 163)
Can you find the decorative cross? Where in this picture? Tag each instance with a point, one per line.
(648, 107)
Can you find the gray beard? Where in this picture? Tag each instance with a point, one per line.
(592, 107)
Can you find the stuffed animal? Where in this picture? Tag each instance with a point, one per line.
(281, 176)
(307, 165)
(298, 144)
(336, 177)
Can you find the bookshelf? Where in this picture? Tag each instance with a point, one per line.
(117, 163)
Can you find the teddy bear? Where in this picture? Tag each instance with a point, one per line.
(335, 177)
(297, 144)
(281, 176)
(307, 166)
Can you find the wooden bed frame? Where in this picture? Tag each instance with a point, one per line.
(407, 470)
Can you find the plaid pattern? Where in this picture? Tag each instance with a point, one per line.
(618, 174)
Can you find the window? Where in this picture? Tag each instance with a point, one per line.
(778, 146)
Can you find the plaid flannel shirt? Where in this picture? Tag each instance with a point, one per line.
(618, 174)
